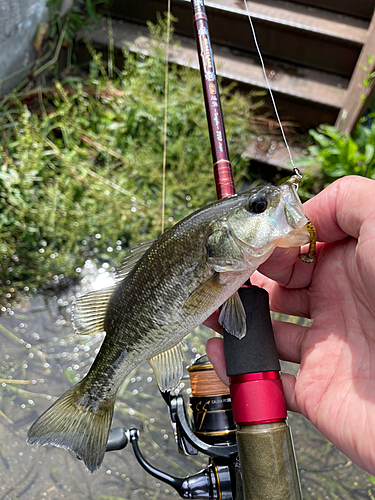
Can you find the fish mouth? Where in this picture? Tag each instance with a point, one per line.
(289, 218)
(295, 238)
(293, 210)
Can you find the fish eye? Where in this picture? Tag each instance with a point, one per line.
(257, 204)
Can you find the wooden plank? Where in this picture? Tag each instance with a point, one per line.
(356, 8)
(361, 87)
(304, 84)
(286, 31)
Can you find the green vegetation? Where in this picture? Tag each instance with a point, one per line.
(81, 163)
(336, 154)
(80, 15)
(81, 158)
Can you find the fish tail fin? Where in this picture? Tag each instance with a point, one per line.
(78, 422)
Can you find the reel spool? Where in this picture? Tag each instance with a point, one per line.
(211, 405)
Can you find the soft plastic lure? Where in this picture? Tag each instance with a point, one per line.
(310, 256)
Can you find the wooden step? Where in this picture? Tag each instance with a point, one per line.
(274, 154)
(286, 31)
(356, 8)
(304, 95)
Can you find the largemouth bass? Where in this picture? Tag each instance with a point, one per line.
(163, 290)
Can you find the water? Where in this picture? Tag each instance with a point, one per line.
(37, 346)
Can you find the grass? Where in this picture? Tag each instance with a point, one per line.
(81, 164)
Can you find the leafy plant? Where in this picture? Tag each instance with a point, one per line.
(368, 80)
(77, 14)
(336, 154)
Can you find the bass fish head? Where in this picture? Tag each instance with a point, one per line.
(269, 217)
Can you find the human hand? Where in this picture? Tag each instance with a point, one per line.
(335, 386)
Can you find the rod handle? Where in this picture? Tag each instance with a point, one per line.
(268, 464)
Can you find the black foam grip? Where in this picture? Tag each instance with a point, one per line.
(256, 352)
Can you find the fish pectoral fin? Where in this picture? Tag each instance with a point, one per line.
(223, 252)
(89, 311)
(168, 367)
(132, 259)
(204, 296)
(233, 316)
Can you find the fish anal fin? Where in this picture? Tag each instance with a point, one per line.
(233, 316)
(168, 367)
(204, 296)
(89, 311)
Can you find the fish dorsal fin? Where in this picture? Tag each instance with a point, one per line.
(233, 316)
(89, 311)
(132, 259)
(168, 367)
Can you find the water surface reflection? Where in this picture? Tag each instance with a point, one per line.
(40, 358)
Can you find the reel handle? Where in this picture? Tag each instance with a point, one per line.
(213, 482)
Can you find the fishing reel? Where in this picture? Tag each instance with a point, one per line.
(211, 431)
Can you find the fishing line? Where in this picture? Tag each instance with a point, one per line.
(165, 115)
(296, 170)
(206, 383)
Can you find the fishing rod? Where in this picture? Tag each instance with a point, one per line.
(264, 439)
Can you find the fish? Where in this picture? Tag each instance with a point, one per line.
(164, 289)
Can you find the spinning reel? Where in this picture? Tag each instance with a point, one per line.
(211, 431)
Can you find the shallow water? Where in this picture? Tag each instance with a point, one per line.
(37, 346)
